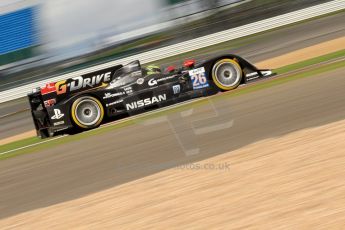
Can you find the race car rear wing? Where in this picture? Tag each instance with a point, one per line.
(39, 113)
(42, 98)
(56, 91)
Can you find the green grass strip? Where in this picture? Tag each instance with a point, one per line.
(19, 144)
(310, 62)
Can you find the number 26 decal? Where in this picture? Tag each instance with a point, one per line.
(198, 78)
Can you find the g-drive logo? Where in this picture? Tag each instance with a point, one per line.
(146, 102)
(57, 114)
(81, 82)
(153, 82)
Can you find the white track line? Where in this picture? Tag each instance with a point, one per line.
(28, 146)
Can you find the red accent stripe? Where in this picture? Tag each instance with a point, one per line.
(49, 88)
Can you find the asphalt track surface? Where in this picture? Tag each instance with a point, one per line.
(126, 154)
(265, 46)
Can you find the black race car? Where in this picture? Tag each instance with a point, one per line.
(84, 102)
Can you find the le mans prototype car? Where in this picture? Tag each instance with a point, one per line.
(84, 102)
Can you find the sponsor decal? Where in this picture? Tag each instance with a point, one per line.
(266, 73)
(136, 73)
(59, 123)
(251, 74)
(49, 88)
(114, 103)
(255, 75)
(111, 95)
(146, 102)
(77, 83)
(140, 81)
(128, 90)
(198, 77)
(176, 89)
(61, 87)
(153, 81)
(57, 114)
(116, 83)
(49, 103)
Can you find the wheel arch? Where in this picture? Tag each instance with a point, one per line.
(243, 64)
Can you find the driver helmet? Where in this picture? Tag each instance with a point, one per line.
(153, 69)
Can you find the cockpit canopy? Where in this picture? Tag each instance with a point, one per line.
(134, 66)
(126, 75)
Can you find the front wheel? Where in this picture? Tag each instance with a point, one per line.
(87, 112)
(227, 74)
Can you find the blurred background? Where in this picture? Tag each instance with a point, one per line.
(42, 38)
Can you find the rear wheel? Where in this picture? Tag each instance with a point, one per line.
(227, 74)
(87, 112)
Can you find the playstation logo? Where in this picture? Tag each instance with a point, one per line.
(57, 114)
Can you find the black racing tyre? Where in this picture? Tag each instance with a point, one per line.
(87, 112)
(227, 74)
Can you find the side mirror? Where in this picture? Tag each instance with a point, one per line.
(189, 64)
(170, 69)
